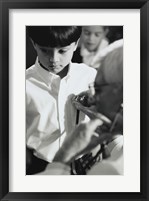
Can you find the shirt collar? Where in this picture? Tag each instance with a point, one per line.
(49, 77)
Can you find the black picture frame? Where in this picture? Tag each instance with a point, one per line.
(5, 5)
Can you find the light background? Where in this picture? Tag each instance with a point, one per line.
(130, 181)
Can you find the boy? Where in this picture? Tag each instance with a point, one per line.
(93, 41)
(50, 85)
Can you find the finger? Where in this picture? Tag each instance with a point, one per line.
(103, 118)
(95, 134)
(79, 106)
(104, 137)
(93, 124)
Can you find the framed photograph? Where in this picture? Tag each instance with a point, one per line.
(129, 21)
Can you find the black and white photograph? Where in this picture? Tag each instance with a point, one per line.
(74, 100)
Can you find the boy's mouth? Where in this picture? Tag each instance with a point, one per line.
(53, 67)
(91, 44)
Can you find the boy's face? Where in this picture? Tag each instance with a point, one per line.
(55, 59)
(92, 36)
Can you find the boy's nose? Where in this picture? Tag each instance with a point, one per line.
(91, 38)
(54, 56)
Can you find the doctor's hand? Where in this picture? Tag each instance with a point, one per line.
(80, 141)
(90, 111)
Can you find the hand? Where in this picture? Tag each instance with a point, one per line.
(90, 111)
(77, 142)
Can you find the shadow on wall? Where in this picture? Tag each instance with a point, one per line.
(115, 33)
(30, 53)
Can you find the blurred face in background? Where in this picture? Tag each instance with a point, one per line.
(92, 36)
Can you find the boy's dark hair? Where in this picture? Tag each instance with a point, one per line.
(54, 36)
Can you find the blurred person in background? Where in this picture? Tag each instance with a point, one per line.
(93, 40)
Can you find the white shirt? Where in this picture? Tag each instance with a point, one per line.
(89, 57)
(100, 55)
(49, 111)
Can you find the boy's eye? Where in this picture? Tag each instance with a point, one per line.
(44, 50)
(63, 51)
(87, 33)
(97, 35)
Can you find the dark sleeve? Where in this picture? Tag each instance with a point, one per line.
(77, 58)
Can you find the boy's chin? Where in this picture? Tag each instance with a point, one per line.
(55, 70)
(90, 49)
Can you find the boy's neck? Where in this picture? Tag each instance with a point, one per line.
(63, 72)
